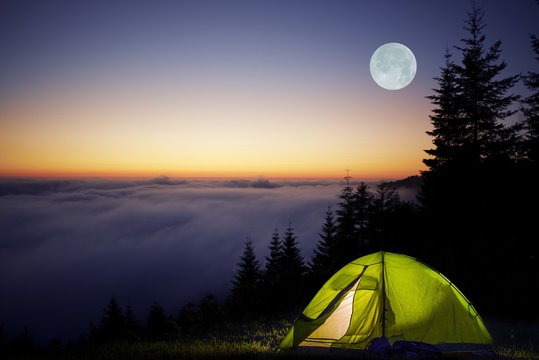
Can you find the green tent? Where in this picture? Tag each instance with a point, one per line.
(387, 295)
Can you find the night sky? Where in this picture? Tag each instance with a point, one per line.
(239, 91)
(226, 88)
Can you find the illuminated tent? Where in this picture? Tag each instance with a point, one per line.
(388, 295)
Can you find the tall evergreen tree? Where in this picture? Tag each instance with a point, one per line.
(363, 208)
(244, 297)
(466, 215)
(386, 198)
(528, 193)
(470, 105)
(346, 242)
(531, 108)
(273, 273)
(189, 318)
(444, 181)
(484, 97)
(447, 122)
(158, 325)
(386, 202)
(113, 326)
(131, 323)
(210, 311)
(293, 268)
(322, 263)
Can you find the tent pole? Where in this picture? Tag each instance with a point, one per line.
(383, 298)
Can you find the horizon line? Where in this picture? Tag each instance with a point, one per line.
(198, 177)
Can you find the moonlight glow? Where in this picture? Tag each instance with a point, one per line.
(393, 66)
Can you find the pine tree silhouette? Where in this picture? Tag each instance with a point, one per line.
(322, 264)
(386, 198)
(158, 325)
(531, 109)
(189, 319)
(210, 310)
(272, 273)
(449, 127)
(293, 269)
(324, 247)
(484, 98)
(112, 327)
(346, 241)
(386, 202)
(475, 154)
(529, 192)
(471, 104)
(245, 294)
(272, 280)
(131, 323)
(363, 210)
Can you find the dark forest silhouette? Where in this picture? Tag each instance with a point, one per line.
(479, 194)
(475, 219)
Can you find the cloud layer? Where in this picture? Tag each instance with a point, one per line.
(68, 245)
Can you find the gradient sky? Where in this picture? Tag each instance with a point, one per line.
(227, 88)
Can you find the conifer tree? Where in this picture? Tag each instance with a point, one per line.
(199, 318)
(443, 185)
(246, 284)
(386, 201)
(156, 322)
(273, 273)
(131, 324)
(363, 208)
(527, 193)
(448, 126)
(386, 204)
(322, 263)
(531, 108)
(471, 103)
(158, 325)
(474, 151)
(210, 311)
(293, 268)
(112, 327)
(346, 242)
(484, 99)
(293, 264)
(272, 277)
(386, 198)
(189, 318)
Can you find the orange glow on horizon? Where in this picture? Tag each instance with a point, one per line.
(88, 132)
(356, 174)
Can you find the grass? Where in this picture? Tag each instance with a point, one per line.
(256, 340)
(518, 352)
(515, 340)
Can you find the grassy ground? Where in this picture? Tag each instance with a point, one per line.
(515, 340)
(259, 341)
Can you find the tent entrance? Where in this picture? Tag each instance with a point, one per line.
(337, 324)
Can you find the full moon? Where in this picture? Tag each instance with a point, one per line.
(393, 66)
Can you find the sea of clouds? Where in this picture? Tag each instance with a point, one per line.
(67, 246)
